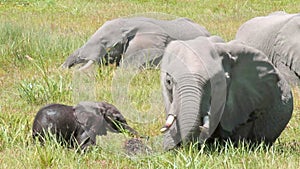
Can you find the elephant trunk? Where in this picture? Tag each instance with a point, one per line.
(71, 60)
(185, 128)
(88, 54)
(130, 130)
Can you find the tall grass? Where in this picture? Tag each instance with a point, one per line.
(37, 36)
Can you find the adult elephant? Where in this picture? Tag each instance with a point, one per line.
(278, 36)
(80, 124)
(133, 41)
(221, 91)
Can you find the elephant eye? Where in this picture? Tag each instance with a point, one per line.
(104, 43)
(169, 86)
(169, 82)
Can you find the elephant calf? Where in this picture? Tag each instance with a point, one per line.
(134, 41)
(78, 125)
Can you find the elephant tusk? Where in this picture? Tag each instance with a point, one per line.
(206, 121)
(169, 122)
(227, 75)
(87, 65)
(205, 125)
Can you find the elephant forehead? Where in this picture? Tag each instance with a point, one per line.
(195, 56)
(180, 57)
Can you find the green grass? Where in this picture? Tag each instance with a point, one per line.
(37, 36)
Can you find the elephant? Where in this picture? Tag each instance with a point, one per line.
(133, 41)
(214, 90)
(277, 35)
(80, 124)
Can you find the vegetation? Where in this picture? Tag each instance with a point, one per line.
(37, 36)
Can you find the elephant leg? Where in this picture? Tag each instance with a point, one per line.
(84, 140)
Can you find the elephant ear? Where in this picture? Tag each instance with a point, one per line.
(251, 79)
(90, 119)
(128, 33)
(287, 49)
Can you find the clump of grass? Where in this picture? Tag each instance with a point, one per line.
(14, 129)
(44, 90)
(20, 42)
(38, 91)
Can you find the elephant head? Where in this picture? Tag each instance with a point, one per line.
(99, 117)
(79, 125)
(105, 45)
(224, 90)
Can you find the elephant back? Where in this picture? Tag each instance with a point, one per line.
(58, 119)
(287, 45)
(177, 29)
(261, 31)
(277, 35)
(184, 29)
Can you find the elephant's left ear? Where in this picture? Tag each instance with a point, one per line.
(128, 33)
(252, 82)
(89, 119)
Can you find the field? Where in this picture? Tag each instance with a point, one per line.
(37, 36)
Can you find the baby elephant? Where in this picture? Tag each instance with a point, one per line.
(79, 125)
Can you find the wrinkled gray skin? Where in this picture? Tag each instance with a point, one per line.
(138, 40)
(79, 125)
(278, 36)
(235, 86)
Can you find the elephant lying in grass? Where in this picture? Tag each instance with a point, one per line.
(78, 125)
(214, 90)
(133, 41)
(278, 36)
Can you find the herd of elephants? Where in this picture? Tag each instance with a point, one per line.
(212, 89)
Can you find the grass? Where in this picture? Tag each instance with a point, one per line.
(36, 37)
